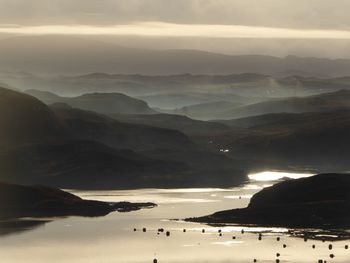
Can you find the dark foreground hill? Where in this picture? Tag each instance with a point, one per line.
(38, 201)
(86, 165)
(24, 119)
(321, 201)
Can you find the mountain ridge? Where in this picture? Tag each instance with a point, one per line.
(19, 52)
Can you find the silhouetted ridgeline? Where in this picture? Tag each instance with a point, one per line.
(317, 139)
(321, 201)
(25, 119)
(66, 147)
(37, 53)
(316, 103)
(39, 201)
(107, 103)
(184, 124)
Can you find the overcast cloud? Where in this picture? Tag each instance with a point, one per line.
(313, 14)
(275, 27)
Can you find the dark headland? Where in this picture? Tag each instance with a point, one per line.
(321, 201)
(17, 201)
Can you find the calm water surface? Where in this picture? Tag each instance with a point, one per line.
(112, 238)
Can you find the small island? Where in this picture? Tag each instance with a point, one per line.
(18, 201)
(320, 202)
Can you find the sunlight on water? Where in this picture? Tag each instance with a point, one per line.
(113, 239)
(272, 176)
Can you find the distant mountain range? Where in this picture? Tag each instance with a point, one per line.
(316, 103)
(125, 109)
(72, 55)
(168, 93)
(184, 124)
(107, 103)
(210, 110)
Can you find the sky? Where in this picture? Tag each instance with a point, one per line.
(187, 20)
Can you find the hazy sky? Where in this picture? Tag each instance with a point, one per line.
(326, 20)
(311, 14)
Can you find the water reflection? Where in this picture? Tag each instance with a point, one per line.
(113, 239)
(17, 226)
(274, 175)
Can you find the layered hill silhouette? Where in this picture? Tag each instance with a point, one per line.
(70, 55)
(119, 108)
(319, 139)
(106, 103)
(208, 110)
(171, 92)
(184, 124)
(316, 103)
(89, 125)
(66, 147)
(174, 101)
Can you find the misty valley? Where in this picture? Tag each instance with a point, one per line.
(160, 165)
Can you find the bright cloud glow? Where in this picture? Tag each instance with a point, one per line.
(159, 29)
